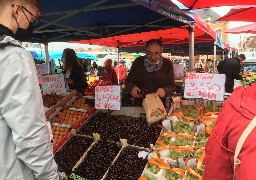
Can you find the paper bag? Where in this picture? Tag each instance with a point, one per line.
(154, 108)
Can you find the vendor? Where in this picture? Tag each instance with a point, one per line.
(74, 75)
(151, 73)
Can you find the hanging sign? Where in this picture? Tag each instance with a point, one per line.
(41, 69)
(178, 71)
(205, 85)
(108, 97)
(53, 83)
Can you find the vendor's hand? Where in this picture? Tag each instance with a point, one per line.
(160, 92)
(69, 81)
(135, 92)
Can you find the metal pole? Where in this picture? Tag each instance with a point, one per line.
(47, 58)
(214, 58)
(118, 69)
(191, 48)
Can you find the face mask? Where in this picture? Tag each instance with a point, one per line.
(24, 34)
(63, 60)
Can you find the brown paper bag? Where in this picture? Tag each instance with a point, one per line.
(154, 108)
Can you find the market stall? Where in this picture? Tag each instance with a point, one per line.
(91, 141)
(106, 144)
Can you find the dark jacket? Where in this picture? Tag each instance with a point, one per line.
(109, 75)
(237, 112)
(79, 79)
(231, 68)
(151, 81)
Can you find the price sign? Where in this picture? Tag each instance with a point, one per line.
(53, 84)
(178, 71)
(205, 85)
(41, 69)
(107, 97)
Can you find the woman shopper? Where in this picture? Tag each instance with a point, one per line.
(74, 75)
(237, 112)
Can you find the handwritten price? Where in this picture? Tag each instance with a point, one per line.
(107, 97)
(53, 84)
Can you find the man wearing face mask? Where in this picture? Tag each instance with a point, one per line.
(151, 73)
(25, 151)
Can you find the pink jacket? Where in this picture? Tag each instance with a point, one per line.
(236, 114)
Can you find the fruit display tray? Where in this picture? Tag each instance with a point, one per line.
(71, 152)
(113, 128)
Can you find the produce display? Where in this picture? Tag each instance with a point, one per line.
(194, 174)
(170, 175)
(98, 160)
(50, 100)
(69, 117)
(80, 103)
(59, 132)
(201, 139)
(153, 168)
(90, 90)
(182, 144)
(114, 128)
(182, 126)
(127, 166)
(249, 77)
(73, 150)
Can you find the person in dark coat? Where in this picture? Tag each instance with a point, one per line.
(231, 68)
(151, 73)
(109, 73)
(74, 74)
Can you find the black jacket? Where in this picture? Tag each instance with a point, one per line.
(151, 81)
(79, 79)
(231, 68)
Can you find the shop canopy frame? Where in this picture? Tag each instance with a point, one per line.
(200, 4)
(202, 33)
(62, 21)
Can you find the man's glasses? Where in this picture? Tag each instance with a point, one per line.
(36, 20)
(150, 54)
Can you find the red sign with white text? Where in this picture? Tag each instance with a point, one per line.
(205, 85)
(108, 97)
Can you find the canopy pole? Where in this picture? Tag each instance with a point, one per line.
(191, 48)
(47, 58)
(214, 57)
(118, 68)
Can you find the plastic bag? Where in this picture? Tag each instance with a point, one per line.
(154, 108)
